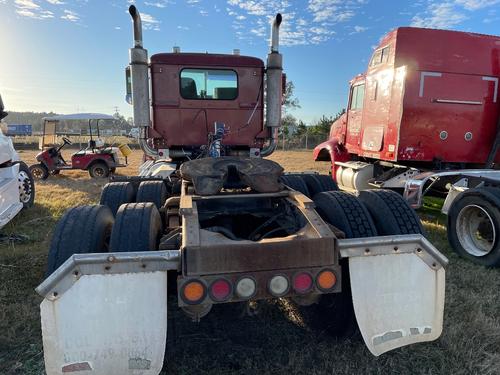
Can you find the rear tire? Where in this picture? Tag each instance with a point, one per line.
(317, 183)
(474, 226)
(137, 228)
(39, 171)
(335, 312)
(345, 212)
(26, 186)
(296, 183)
(391, 214)
(81, 230)
(99, 170)
(152, 191)
(114, 194)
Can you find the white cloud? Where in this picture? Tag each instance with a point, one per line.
(304, 22)
(70, 15)
(31, 9)
(450, 13)
(182, 27)
(158, 4)
(439, 16)
(56, 2)
(26, 4)
(149, 22)
(359, 29)
(204, 13)
(476, 4)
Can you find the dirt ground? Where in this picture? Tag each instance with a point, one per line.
(277, 338)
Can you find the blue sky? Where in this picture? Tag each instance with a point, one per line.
(69, 55)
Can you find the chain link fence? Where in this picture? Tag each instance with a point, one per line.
(302, 142)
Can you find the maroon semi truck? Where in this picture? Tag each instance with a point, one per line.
(209, 221)
(425, 117)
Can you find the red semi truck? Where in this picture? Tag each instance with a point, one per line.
(208, 221)
(426, 115)
(428, 100)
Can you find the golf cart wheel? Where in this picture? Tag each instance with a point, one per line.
(114, 194)
(295, 182)
(137, 228)
(81, 230)
(26, 186)
(474, 226)
(335, 311)
(391, 213)
(318, 183)
(152, 191)
(99, 170)
(39, 171)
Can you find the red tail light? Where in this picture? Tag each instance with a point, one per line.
(302, 282)
(220, 290)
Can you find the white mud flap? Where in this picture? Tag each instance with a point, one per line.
(104, 323)
(397, 285)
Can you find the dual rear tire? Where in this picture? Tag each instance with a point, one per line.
(309, 184)
(93, 229)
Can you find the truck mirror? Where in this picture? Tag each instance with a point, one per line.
(128, 82)
(2, 113)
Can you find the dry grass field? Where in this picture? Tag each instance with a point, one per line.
(277, 339)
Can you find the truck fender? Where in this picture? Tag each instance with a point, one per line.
(331, 150)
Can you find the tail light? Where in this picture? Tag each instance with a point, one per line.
(326, 280)
(220, 290)
(302, 282)
(193, 292)
(246, 287)
(279, 285)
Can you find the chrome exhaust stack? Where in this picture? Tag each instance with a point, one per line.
(140, 83)
(274, 93)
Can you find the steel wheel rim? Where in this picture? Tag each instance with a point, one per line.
(25, 188)
(37, 172)
(99, 171)
(476, 230)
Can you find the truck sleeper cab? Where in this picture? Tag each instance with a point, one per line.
(428, 100)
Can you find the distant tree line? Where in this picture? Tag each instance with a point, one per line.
(36, 119)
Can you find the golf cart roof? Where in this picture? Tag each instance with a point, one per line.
(80, 116)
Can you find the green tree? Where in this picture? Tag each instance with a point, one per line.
(290, 101)
(301, 129)
(322, 127)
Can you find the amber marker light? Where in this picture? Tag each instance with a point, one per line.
(193, 292)
(326, 280)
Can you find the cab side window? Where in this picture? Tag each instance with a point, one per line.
(380, 56)
(357, 97)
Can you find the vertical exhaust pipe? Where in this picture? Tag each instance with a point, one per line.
(274, 93)
(140, 83)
